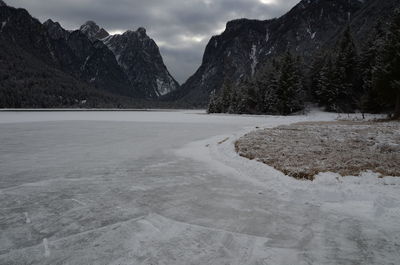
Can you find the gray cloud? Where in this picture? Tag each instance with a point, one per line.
(181, 28)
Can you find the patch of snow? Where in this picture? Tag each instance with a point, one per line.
(46, 248)
(267, 36)
(313, 35)
(27, 219)
(253, 58)
(207, 74)
(309, 31)
(3, 24)
(162, 89)
(85, 63)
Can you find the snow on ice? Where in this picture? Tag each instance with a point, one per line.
(168, 188)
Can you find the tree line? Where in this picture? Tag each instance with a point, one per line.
(342, 79)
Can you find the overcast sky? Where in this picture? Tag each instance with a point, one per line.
(181, 28)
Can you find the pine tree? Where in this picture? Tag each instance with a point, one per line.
(369, 100)
(261, 87)
(235, 99)
(290, 87)
(319, 61)
(226, 97)
(387, 72)
(213, 103)
(325, 91)
(345, 73)
(271, 94)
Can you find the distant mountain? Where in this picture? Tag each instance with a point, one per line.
(30, 74)
(140, 58)
(246, 45)
(90, 61)
(130, 65)
(93, 31)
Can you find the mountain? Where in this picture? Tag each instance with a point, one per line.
(30, 73)
(140, 58)
(93, 31)
(45, 56)
(247, 45)
(90, 61)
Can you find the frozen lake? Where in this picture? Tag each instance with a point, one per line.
(166, 188)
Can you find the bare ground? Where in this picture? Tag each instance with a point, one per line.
(349, 148)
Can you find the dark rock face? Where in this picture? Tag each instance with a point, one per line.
(93, 31)
(82, 55)
(2, 3)
(31, 73)
(18, 28)
(91, 61)
(56, 32)
(246, 45)
(140, 58)
(372, 12)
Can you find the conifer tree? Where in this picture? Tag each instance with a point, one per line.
(370, 100)
(271, 94)
(326, 91)
(387, 72)
(213, 103)
(345, 73)
(290, 87)
(226, 97)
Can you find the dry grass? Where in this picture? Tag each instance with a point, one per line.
(346, 147)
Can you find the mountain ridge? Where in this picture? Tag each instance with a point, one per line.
(246, 45)
(83, 55)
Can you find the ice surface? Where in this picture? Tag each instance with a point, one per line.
(168, 188)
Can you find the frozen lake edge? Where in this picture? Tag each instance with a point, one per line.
(175, 191)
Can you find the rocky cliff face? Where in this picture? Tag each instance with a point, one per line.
(246, 45)
(129, 65)
(34, 69)
(140, 58)
(90, 60)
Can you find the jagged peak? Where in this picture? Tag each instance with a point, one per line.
(50, 22)
(141, 30)
(93, 31)
(89, 25)
(55, 30)
(2, 3)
